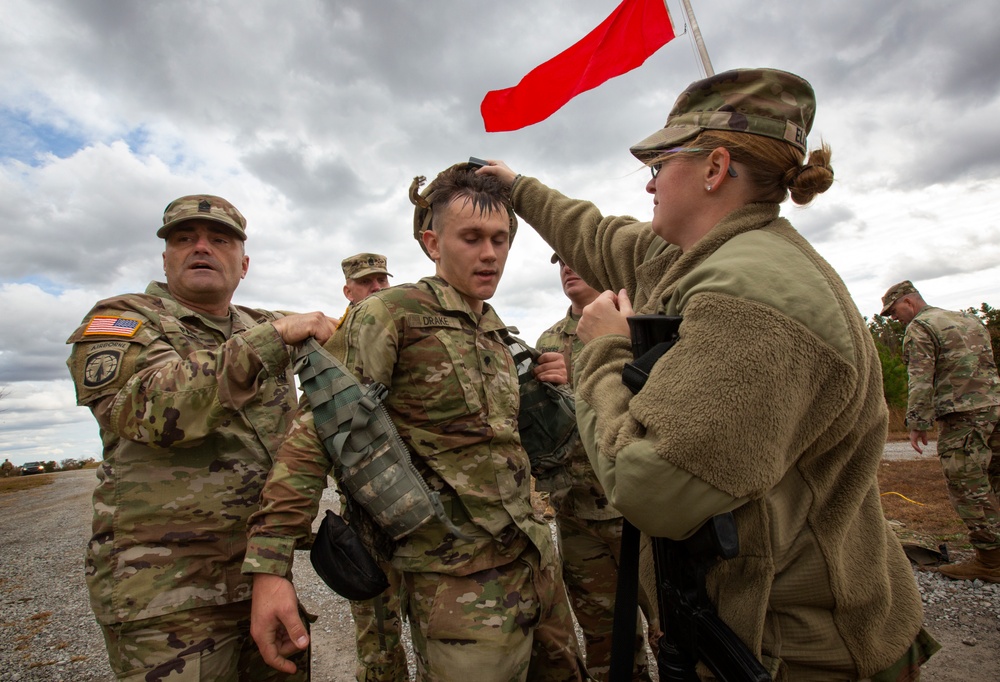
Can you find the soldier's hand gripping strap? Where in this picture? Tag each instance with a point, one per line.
(343, 563)
(371, 462)
(546, 421)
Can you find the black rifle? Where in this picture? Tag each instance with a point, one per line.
(692, 630)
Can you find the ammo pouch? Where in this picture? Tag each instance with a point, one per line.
(371, 463)
(341, 560)
(546, 421)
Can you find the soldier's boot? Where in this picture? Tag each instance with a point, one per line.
(985, 566)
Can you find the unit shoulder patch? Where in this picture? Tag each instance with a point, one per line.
(103, 363)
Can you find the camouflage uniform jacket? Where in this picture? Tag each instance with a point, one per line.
(190, 421)
(453, 396)
(586, 498)
(950, 365)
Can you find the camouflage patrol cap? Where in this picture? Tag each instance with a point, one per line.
(362, 264)
(203, 207)
(422, 214)
(766, 102)
(896, 292)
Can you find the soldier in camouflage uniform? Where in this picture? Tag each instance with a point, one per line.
(8, 468)
(377, 622)
(590, 529)
(488, 604)
(192, 395)
(953, 379)
(364, 274)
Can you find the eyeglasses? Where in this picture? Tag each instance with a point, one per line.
(654, 168)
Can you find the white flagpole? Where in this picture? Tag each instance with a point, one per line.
(696, 33)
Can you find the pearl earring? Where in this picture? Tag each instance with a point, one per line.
(708, 187)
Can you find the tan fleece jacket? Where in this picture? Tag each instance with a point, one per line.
(770, 404)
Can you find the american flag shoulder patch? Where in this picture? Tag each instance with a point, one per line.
(115, 326)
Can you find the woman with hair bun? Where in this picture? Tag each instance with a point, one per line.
(770, 404)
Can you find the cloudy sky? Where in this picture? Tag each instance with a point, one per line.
(313, 117)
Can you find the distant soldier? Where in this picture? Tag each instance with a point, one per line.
(590, 529)
(364, 274)
(377, 622)
(953, 379)
(8, 468)
(192, 395)
(485, 597)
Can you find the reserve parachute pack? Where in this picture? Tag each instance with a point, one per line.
(546, 421)
(371, 463)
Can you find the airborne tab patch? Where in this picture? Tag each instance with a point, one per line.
(102, 325)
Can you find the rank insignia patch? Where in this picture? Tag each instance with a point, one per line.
(115, 326)
(102, 368)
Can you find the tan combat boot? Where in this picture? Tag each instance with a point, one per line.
(985, 566)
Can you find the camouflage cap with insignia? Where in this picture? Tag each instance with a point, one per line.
(896, 292)
(203, 207)
(766, 102)
(362, 264)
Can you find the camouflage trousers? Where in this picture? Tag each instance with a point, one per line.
(378, 625)
(511, 623)
(969, 448)
(199, 645)
(591, 551)
(907, 667)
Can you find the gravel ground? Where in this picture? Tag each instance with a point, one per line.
(902, 450)
(48, 633)
(47, 630)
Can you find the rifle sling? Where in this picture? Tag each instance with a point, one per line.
(626, 606)
(635, 373)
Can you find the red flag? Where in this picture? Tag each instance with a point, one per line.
(623, 41)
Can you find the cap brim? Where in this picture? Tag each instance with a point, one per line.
(663, 139)
(371, 271)
(162, 232)
(885, 309)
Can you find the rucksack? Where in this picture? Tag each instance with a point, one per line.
(387, 499)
